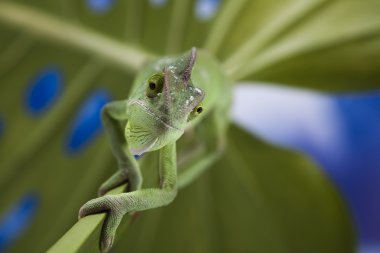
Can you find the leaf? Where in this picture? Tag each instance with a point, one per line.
(101, 51)
(350, 66)
(329, 45)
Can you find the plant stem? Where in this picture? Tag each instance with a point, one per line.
(177, 26)
(84, 235)
(263, 37)
(61, 30)
(286, 51)
(223, 24)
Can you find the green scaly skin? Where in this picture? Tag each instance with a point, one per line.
(169, 96)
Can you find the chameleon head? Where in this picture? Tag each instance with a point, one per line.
(160, 112)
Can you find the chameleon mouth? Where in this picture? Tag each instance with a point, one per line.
(149, 111)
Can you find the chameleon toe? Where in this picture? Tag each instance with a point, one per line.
(106, 244)
(94, 206)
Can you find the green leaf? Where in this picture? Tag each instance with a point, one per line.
(279, 201)
(330, 45)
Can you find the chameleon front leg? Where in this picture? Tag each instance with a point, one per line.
(212, 131)
(118, 205)
(129, 171)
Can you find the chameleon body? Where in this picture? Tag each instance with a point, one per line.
(170, 96)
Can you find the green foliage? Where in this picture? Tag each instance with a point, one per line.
(280, 201)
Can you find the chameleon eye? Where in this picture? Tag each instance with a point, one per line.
(196, 111)
(155, 85)
(152, 85)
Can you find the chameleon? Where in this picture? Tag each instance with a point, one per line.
(170, 97)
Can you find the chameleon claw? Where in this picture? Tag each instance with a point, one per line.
(82, 212)
(106, 244)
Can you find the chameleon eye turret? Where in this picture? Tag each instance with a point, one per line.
(155, 85)
(196, 111)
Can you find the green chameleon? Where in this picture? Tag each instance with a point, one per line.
(170, 96)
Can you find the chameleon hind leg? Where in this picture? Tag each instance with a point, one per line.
(118, 205)
(128, 171)
(212, 132)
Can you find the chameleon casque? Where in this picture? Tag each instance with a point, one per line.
(170, 96)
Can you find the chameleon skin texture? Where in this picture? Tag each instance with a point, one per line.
(170, 96)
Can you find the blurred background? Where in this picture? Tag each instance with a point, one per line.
(301, 172)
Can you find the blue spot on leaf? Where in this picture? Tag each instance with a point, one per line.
(87, 123)
(16, 220)
(1, 126)
(43, 90)
(100, 6)
(206, 9)
(157, 3)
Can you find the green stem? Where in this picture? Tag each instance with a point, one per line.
(223, 24)
(134, 10)
(263, 37)
(61, 30)
(177, 25)
(287, 51)
(84, 235)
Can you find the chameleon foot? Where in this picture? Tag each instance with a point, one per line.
(112, 206)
